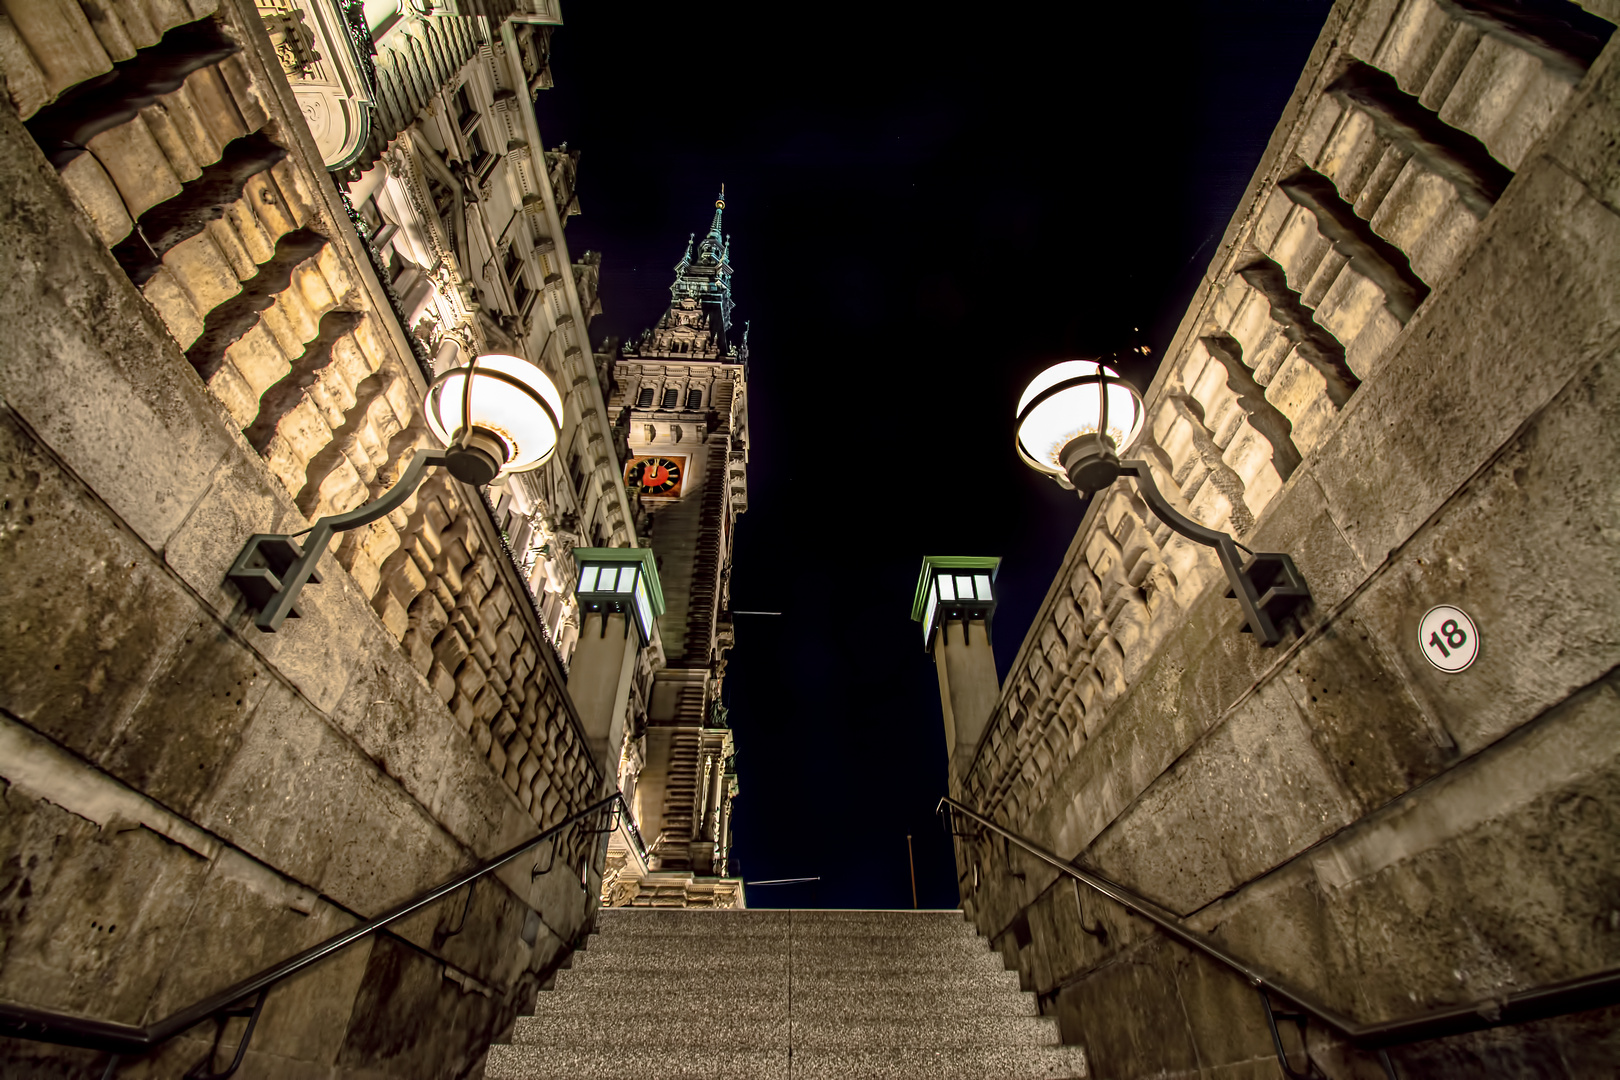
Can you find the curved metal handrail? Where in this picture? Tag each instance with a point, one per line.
(1539, 1003)
(68, 1029)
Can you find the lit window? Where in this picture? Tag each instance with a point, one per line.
(964, 588)
(982, 584)
(947, 591)
(607, 584)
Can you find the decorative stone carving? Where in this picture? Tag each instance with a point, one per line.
(318, 55)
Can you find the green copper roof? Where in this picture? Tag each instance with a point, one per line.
(947, 562)
(644, 556)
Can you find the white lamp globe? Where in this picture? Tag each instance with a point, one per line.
(1060, 423)
(509, 422)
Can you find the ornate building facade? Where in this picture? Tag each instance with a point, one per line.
(681, 394)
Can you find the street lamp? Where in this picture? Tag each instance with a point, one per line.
(1074, 417)
(497, 415)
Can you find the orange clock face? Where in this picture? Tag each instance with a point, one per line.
(655, 475)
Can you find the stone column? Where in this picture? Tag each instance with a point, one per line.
(599, 678)
(620, 600)
(711, 811)
(955, 604)
(968, 687)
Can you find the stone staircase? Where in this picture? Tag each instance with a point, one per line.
(762, 995)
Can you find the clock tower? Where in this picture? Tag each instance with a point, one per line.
(682, 391)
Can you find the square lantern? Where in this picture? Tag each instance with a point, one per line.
(954, 587)
(622, 580)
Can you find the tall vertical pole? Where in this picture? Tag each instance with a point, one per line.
(912, 862)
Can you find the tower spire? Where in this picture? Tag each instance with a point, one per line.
(719, 208)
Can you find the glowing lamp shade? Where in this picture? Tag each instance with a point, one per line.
(513, 410)
(1063, 404)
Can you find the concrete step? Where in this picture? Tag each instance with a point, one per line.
(619, 921)
(878, 983)
(707, 1063)
(810, 945)
(864, 1033)
(630, 1062)
(654, 984)
(631, 921)
(652, 956)
(607, 1031)
(837, 1003)
(946, 1063)
(700, 1004)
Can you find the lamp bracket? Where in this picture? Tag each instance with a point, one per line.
(273, 568)
(1267, 586)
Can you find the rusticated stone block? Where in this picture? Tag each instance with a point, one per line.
(83, 641)
(98, 196)
(470, 679)
(442, 682)
(312, 794)
(74, 941)
(487, 704)
(504, 728)
(393, 616)
(461, 708)
(450, 650)
(428, 615)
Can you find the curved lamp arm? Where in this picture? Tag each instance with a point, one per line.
(1267, 587)
(273, 568)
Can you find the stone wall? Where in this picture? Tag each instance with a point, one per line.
(1400, 369)
(197, 349)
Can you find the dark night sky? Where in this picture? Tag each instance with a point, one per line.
(927, 206)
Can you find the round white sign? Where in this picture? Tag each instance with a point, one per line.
(1448, 638)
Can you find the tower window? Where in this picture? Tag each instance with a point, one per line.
(477, 152)
(694, 399)
(644, 399)
(672, 397)
(466, 111)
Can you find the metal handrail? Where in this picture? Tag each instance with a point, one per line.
(68, 1029)
(1538, 1003)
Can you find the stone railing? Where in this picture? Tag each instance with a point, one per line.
(1408, 124)
(244, 252)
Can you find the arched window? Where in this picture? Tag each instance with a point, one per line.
(694, 399)
(644, 400)
(672, 397)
